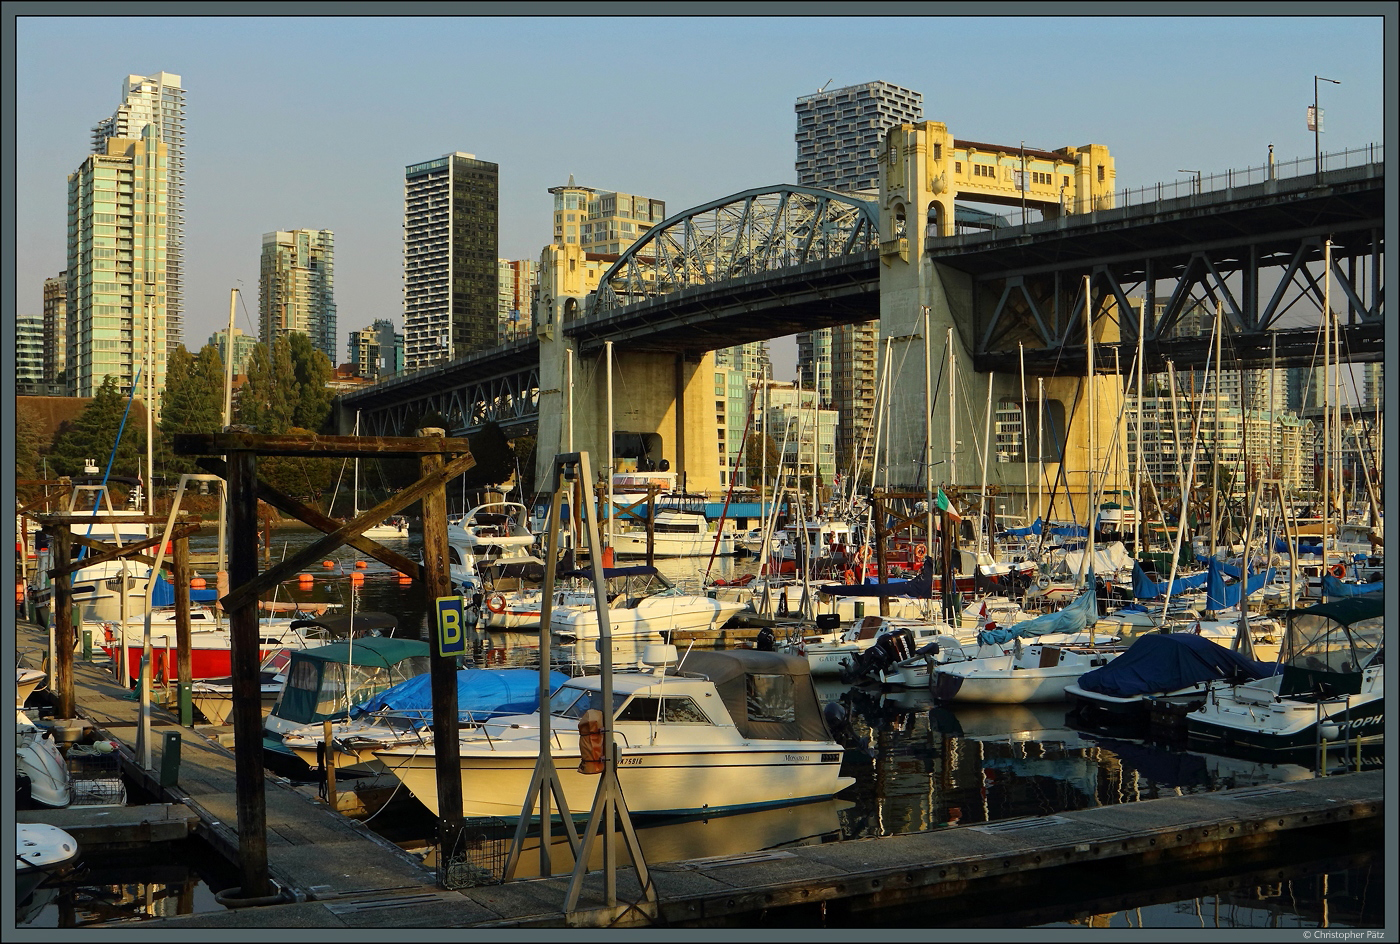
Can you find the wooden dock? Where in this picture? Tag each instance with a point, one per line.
(341, 875)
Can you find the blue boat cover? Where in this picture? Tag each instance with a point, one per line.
(1145, 588)
(1332, 587)
(1221, 597)
(1073, 618)
(1024, 532)
(920, 588)
(481, 693)
(1164, 662)
(164, 593)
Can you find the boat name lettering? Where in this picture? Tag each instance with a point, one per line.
(629, 762)
(797, 758)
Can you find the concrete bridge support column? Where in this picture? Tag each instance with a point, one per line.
(914, 200)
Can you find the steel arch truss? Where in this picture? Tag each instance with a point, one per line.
(510, 400)
(753, 232)
(1261, 286)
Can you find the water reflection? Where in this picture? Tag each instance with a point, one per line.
(108, 888)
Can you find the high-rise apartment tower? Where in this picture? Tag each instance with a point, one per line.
(158, 101)
(451, 214)
(296, 287)
(841, 133)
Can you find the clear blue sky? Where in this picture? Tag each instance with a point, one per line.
(309, 122)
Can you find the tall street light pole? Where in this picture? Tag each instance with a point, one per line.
(1194, 173)
(1317, 126)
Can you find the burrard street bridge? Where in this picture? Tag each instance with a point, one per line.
(1007, 292)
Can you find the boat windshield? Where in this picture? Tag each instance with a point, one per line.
(570, 702)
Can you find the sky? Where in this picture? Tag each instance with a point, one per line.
(309, 121)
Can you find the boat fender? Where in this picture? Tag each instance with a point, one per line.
(590, 742)
(496, 603)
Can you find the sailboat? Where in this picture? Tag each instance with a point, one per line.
(394, 527)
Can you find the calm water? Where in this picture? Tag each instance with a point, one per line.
(918, 766)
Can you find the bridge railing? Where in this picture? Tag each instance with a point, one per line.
(1197, 184)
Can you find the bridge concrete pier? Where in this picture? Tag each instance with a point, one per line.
(915, 291)
(662, 401)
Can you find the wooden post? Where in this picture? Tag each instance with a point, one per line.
(328, 760)
(879, 501)
(181, 576)
(61, 659)
(247, 689)
(651, 524)
(437, 581)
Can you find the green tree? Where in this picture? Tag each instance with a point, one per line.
(29, 426)
(93, 432)
(193, 403)
(755, 447)
(266, 403)
(312, 371)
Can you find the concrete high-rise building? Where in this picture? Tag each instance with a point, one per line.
(749, 359)
(116, 275)
(841, 133)
(377, 351)
(29, 352)
(55, 328)
(1372, 385)
(793, 416)
(296, 287)
(243, 345)
(602, 221)
(158, 101)
(515, 287)
(451, 215)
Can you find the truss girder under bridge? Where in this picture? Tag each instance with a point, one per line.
(499, 385)
(1255, 254)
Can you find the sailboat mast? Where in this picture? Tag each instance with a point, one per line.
(1089, 468)
(1215, 436)
(1025, 420)
(983, 520)
(928, 428)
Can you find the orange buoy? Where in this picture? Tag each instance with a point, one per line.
(360, 565)
(305, 578)
(197, 583)
(357, 578)
(405, 578)
(327, 563)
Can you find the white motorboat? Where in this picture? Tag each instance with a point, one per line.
(213, 698)
(41, 850)
(721, 730)
(490, 533)
(642, 605)
(1038, 672)
(27, 681)
(679, 529)
(39, 765)
(1331, 689)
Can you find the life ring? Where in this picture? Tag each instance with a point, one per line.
(850, 576)
(496, 603)
(1043, 581)
(1338, 571)
(920, 552)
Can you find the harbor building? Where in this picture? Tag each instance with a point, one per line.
(450, 273)
(376, 351)
(55, 329)
(116, 274)
(296, 287)
(158, 102)
(803, 431)
(243, 345)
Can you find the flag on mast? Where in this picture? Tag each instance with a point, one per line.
(945, 506)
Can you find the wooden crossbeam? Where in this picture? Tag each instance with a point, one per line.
(311, 445)
(108, 552)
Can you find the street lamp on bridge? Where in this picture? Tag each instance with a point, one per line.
(1194, 173)
(1315, 126)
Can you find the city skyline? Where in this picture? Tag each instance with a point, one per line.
(259, 162)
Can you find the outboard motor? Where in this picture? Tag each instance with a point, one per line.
(765, 640)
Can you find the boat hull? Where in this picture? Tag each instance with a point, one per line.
(654, 782)
(1286, 725)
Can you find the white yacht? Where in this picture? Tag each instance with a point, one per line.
(717, 730)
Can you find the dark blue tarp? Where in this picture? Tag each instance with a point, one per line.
(1024, 532)
(1070, 531)
(1221, 597)
(481, 693)
(1145, 588)
(641, 570)
(1164, 662)
(920, 588)
(1332, 587)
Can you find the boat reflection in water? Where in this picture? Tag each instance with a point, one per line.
(701, 842)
